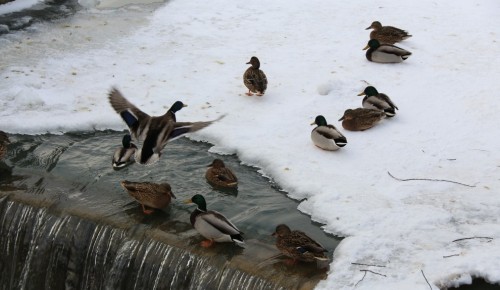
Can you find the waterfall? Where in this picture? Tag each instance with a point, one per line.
(44, 248)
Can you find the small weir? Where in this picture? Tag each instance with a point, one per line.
(65, 223)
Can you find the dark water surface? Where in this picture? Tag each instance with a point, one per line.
(62, 205)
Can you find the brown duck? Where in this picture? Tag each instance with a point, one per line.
(387, 34)
(254, 78)
(298, 246)
(218, 175)
(149, 194)
(4, 140)
(361, 119)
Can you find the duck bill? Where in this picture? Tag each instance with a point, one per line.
(369, 27)
(313, 123)
(184, 105)
(187, 201)
(366, 47)
(361, 94)
(341, 119)
(248, 63)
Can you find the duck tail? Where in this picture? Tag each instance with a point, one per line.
(237, 239)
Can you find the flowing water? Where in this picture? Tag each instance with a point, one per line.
(66, 223)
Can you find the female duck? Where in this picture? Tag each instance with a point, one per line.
(254, 78)
(378, 101)
(4, 140)
(214, 226)
(124, 155)
(154, 131)
(361, 119)
(387, 34)
(149, 194)
(298, 246)
(326, 136)
(385, 53)
(218, 175)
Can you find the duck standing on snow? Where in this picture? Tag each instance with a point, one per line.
(149, 194)
(361, 119)
(254, 78)
(212, 225)
(385, 53)
(378, 101)
(4, 140)
(387, 34)
(154, 131)
(326, 136)
(124, 155)
(298, 246)
(218, 175)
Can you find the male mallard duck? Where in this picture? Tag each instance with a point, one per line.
(155, 131)
(361, 119)
(378, 101)
(212, 225)
(175, 107)
(254, 78)
(149, 194)
(298, 246)
(387, 34)
(4, 140)
(385, 53)
(219, 175)
(326, 136)
(123, 155)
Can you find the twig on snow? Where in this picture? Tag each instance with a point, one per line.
(361, 264)
(361, 279)
(366, 270)
(426, 279)
(457, 240)
(454, 255)
(429, 179)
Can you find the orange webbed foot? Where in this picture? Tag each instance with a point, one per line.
(207, 243)
(146, 211)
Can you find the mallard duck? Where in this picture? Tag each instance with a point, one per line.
(326, 136)
(254, 78)
(385, 53)
(378, 101)
(124, 155)
(149, 194)
(361, 119)
(175, 107)
(219, 175)
(298, 246)
(4, 140)
(154, 131)
(214, 226)
(387, 34)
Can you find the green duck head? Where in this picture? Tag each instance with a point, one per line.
(254, 61)
(373, 43)
(320, 121)
(369, 91)
(177, 106)
(126, 141)
(199, 200)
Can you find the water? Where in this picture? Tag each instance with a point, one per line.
(64, 211)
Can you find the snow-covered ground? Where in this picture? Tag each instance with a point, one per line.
(57, 79)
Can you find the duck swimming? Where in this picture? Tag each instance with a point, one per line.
(298, 246)
(218, 175)
(149, 194)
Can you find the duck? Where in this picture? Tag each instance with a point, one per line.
(154, 131)
(254, 78)
(125, 154)
(4, 141)
(361, 119)
(385, 53)
(174, 109)
(387, 34)
(212, 225)
(378, 101)
(149, 194)
(326, 136)
(218, 175)
(298, 246)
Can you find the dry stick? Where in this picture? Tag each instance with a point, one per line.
(373, 272)
(428, 179)
(361, 264)
(472, 238)
(454, 255)
(426, 279)
(360, 280)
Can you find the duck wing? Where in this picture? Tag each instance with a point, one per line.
(300, 240)
(388, 100)
(226, 175)
(136, 120)
(220, 222)
(392, 49)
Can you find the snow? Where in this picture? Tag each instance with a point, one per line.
(18, 5)
(57, 79)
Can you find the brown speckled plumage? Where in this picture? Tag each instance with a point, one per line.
(361, 119)
(219, 175)
(387, 34)
(297, 245)
(4, 140)
(254, 78)
(149, 194)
